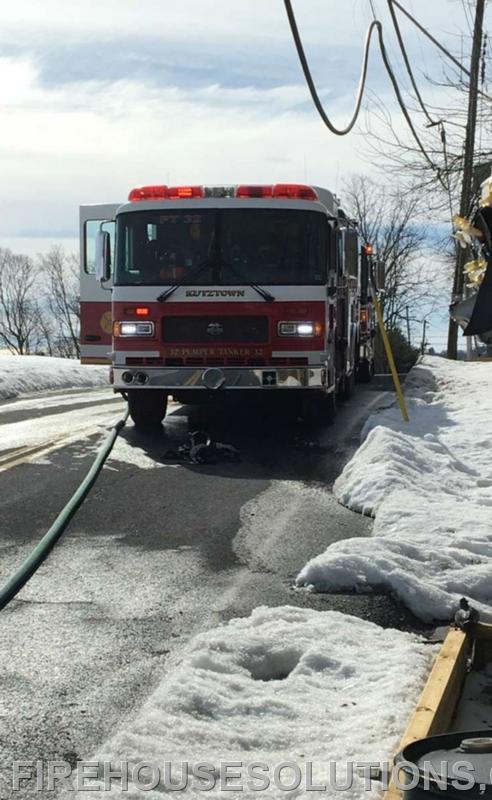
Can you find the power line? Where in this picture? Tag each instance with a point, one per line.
(401, 103)
(309, 80)
(431, 37)
(375, 25)
(407, 62)
(426, 71)
(432, 122)
(437, 43)
(469, 20)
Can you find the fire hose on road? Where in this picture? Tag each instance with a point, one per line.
(49, 540)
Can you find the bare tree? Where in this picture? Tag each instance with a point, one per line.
(391, 221)
(45, 334)
(449, 151)
(439, 114)
(62, 299)
(19, 310)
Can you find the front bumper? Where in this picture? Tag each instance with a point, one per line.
(214, 378)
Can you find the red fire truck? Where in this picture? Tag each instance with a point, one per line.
(203, 291)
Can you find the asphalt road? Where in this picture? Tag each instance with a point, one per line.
(159, 552)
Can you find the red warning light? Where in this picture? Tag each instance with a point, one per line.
(294, 191)
(184, 192)
(254, 191)
(147, 193)
(139, 311)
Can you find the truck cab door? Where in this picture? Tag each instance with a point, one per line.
(95, 298)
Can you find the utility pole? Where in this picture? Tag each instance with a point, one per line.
(409, 338)
(424, 343)
(466, 186)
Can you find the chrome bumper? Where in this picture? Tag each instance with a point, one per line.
(213, 378)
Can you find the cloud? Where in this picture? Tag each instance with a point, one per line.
(91, 142)
(124, 92)
(193, 21)
(194, 43)
(146, 60)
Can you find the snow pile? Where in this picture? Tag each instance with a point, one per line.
(20, 375)
(429, 485)
(284, 684)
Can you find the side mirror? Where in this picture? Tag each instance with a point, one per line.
(351, 246)
(103, 256)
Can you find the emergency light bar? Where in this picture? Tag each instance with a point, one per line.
(287, 191)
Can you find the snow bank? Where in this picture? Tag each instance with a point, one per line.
(20, 375)
(284, 684)
(429, 485)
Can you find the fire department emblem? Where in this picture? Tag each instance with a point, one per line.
(106, 322)
(215, 329)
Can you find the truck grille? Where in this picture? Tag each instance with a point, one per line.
(211, 329)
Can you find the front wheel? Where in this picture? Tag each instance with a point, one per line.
(348, 386)
(147, 408)
(319, 408)
(365, 371)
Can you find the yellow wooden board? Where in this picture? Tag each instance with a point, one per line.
(438, 701)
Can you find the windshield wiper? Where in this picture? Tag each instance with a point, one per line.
(267, 296)
(209, 262)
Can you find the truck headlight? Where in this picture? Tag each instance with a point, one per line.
(133, 329)
(300, 328)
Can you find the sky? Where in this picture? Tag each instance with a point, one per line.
(98, 97)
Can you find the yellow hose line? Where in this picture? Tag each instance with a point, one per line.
(391, 361)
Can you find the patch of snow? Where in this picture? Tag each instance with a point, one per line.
(131, 454)
(428, 484)
(78, 397)
(75, 424)
(475, 707)
(25, 375)
(283, 684)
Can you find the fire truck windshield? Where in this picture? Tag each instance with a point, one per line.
(264, 246)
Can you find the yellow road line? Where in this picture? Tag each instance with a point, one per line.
(21, 455)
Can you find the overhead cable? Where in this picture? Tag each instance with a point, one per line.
(309, 80)
(432, 122)
(375, 25)
(431, 37)
(408, 66)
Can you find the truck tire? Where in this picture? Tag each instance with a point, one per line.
(348, 386)
(318, 408)
(147, 408)
(364, 373)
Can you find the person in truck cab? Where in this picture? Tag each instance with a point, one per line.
(165, 262)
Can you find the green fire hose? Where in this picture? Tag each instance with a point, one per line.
(47, 543)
